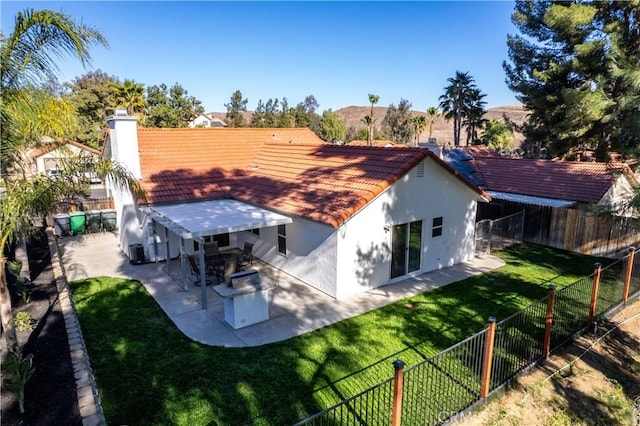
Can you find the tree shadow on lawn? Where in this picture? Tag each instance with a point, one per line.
(148, 372)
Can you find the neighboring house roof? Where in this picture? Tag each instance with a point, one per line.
(384, 143)
(51, 146)
(585, 182)
(290, 170)
(480, 151)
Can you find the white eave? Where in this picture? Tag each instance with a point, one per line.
(529, 199)
(199, 219)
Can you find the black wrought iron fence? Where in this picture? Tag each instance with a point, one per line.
(455, 379)
(518, 342)
(371, 407)
(571, 311)
(444, 383)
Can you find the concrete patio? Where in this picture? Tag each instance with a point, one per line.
(295, 308)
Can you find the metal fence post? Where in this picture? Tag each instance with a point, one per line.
(627, 277)
(594, 292)
(548, 322)
(396, 413)
(488, 358)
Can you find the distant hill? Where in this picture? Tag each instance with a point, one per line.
(442, 131)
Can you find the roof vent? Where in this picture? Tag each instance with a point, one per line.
(420, 170)
(120, 112)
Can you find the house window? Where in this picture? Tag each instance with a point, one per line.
(282, 239)
(221, 239)
(436, 229)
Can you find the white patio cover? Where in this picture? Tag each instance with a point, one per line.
(199, 219)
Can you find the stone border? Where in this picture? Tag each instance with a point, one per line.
(87, 391)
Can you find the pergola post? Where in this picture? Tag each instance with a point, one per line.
(203, 275)
(166, 243)
(155, 239)
(183, 264)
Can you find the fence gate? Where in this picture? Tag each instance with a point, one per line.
(498, 234)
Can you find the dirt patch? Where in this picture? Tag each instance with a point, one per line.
(50, 395)
(596, 380)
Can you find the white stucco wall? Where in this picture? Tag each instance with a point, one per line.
(200, 121)
(54, 156)
(123, 139)
(311, 253)
(364, 247)
(619, 196)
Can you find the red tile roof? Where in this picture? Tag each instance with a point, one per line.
(585, 182)
(289, 170)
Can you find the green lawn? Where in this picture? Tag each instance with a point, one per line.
(149, 373)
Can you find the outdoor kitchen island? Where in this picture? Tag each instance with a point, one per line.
(245, 298)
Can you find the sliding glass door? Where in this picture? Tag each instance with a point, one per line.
(406, 248)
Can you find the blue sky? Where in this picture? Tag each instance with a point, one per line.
(337, 51)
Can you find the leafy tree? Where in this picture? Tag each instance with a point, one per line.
(305, 115)
(432, 115)
(284, 117)
(267, 114)
(258, 117)
(575, 68)
(397, 124)
(419, 124)
(454, 102)
(26, 59)
(370, 120)
(94, 97)
(362, 135)
(131, 96)
(236, 106)
(34, 113)
(171, 107)
(497, 134)
(333, 128)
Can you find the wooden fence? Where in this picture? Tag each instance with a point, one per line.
(85, 205)
(570, 229)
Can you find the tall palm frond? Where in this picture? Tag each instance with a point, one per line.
(39, 39)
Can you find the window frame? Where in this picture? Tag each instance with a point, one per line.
(437, 226)
(282, 239)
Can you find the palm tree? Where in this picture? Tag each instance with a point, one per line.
(473, 114)
(371, 121)
(432, 115)
(27, 58)
(131, 96)
(419, 124)
(454, 99)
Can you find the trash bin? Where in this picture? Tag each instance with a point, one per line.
(136, 254)
(61, 224)
(93, 220)
(108, 220)
(78, 225)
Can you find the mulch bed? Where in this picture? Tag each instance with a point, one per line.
(50, 395)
